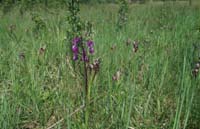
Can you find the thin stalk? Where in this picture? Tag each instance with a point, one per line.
(87, 96)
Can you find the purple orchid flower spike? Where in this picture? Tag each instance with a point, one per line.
(90, 43)
(76, 40)
(91, 50)
(75, 49)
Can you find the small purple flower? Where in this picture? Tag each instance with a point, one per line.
(75, 57)
(76, 52)
(84, 56)
(84, 53)
(90, 43)
(75, 49)
(76, 40)
(91, 50)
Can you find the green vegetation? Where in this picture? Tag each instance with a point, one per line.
(149, 88)
(122, 14)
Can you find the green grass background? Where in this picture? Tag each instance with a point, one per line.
(155, 91)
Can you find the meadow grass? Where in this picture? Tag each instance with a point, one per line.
(155, 90)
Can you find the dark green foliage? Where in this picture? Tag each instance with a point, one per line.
(7, 6)
(98, 1)
(88, 29)
(26, 5)
(122, 14)
(39, 23)
(75, 24)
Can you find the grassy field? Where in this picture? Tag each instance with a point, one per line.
(155, 89)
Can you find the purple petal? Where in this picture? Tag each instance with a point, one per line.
(90, 43)
(76, 40)
(91, 50)
(86, 59)
(75, 49)
(84, 53)
(75, 57)
(84, 56)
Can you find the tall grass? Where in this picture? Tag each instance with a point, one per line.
(155, 90)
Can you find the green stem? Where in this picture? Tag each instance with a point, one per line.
(87, 95)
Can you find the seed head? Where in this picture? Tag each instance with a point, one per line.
(117, 76)
(22, 56)
(113, 47)
(95, 66)
(135, 46)
(128, 42)
(198, 65)
(195, 72)
(42, 50)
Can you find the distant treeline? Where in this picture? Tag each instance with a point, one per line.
(7, 5)
(46, 2)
